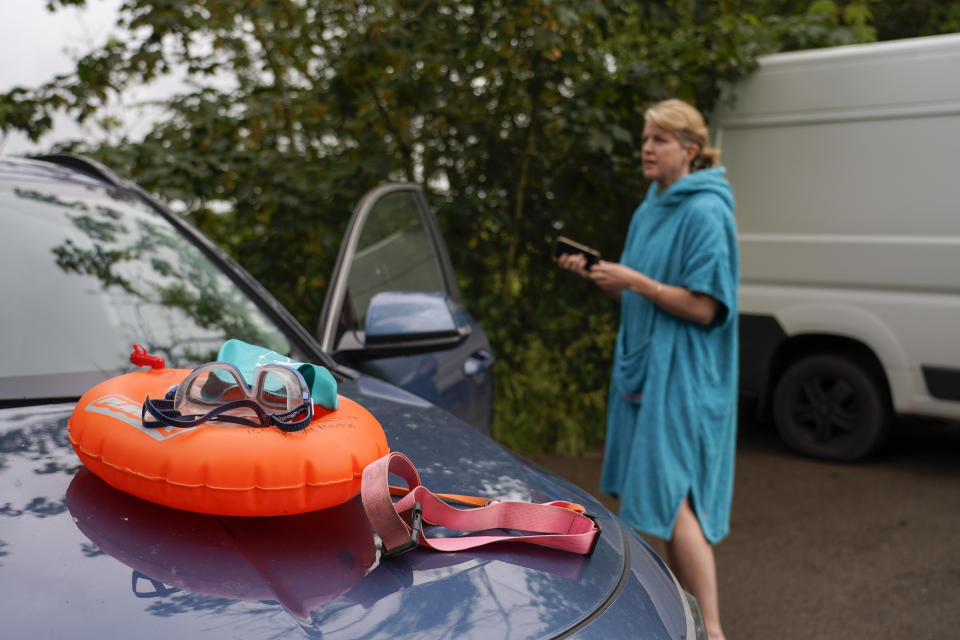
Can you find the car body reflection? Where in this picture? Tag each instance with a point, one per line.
(300, 562)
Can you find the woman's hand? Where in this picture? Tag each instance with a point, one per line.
(612, 276)
(575, 262)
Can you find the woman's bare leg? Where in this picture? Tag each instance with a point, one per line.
(691, 559)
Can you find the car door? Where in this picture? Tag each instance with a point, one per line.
(393, 308)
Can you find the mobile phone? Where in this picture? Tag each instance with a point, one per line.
(566, 245)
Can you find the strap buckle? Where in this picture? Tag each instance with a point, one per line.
(416, 530)
(596, 538)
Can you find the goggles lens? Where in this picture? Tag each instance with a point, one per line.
(276, 388)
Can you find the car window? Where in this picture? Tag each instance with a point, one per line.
(394, 253)
(92, 271)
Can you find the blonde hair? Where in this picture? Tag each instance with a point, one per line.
(686, 123)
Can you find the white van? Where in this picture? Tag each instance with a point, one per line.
(845, 165)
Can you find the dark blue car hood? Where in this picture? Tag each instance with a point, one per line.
(81, 559)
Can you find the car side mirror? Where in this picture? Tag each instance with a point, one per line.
(403, 322)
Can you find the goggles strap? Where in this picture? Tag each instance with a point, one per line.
(285, 421)
(166, 416)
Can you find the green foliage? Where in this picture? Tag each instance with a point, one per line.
(522, 119)
(915, 18)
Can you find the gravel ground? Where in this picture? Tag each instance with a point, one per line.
(824, 550)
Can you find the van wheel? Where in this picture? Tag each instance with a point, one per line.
(828, 406)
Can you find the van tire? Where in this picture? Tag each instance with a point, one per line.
(828, 406)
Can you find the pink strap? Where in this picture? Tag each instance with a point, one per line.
(551, 524)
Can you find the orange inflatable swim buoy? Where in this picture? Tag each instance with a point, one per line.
(216, 469)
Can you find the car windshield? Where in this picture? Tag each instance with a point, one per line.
(90, 271)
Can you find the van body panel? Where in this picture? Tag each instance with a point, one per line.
(855, 82)
(902, 263)
(844, 166)
(900, 329)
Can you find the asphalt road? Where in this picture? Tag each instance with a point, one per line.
(824, 550)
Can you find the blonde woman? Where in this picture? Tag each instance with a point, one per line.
(672, 408)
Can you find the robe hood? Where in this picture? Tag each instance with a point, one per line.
(711, 180)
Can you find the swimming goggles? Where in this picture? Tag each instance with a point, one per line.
(217, 391)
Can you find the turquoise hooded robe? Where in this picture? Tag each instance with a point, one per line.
(679, 438)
